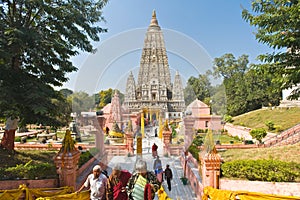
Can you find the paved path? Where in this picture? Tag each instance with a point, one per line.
(179, 191)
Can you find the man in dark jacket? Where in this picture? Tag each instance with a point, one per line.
(168, 176)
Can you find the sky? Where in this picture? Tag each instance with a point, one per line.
(195, 33)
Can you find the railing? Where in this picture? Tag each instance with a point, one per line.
(174, 150)
(118, 150)
(283, 136)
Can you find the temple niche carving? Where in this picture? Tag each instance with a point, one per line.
(154, 89)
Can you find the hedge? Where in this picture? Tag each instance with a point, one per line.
(262, 170)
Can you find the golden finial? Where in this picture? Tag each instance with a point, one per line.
(154, 14)
(153, 20)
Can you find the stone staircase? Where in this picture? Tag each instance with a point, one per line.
(290, 136)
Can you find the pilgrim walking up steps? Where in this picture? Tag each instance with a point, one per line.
(154, 150)
(143, 184)
(157, 167)
(117, 182)
(96, 182)
(168, 176)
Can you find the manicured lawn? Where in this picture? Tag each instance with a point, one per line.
(223, 138)
(288, 153)
(23, 156)
(283, 117)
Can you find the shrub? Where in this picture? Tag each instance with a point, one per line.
(261, 170)
(86, 156)
(228, 118)
(236, 138)
(248, 142)
(194, 151)
(278, 128)
(270, 125)
(29, 171)
(18, 139)
(198, 140)
(224, 131)
(200, 130)
(258, 134)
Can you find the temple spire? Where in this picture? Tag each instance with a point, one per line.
(154, 21)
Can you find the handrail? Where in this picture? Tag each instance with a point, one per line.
(282, 136)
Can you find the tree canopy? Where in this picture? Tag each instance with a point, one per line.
(278, 26)
(246, 87)
(106, 96)
(81, 102)
(37, 40)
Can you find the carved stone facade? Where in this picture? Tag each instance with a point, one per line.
(154, 89)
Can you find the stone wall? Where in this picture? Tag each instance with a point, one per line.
(14, 184)
(192, 173)
(240, 131)
(173, 150)
(279, 188)
(116, 150)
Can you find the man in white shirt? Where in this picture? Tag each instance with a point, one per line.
(97, 184)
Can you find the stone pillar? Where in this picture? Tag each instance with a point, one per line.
(66, 167)
(188, 123)
(129, 143)
(211, 164)
(99, 140)
(100, 135)
(167, 136)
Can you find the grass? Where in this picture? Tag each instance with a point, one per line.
(9, 159)
(226, 139)
(223, 138)
(289, 153)
(279, 116)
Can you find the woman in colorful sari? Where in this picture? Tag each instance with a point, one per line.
(143, 184)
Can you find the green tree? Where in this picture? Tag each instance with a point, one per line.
(198, 88)
(37, 40)
(66, 92)
(258, 134)
(81, 101)
(106, 96)
(261, 90)
(189, 94)
(277, 23)
(232, 71)
(247, 87)
(201, 85)
(218, 100)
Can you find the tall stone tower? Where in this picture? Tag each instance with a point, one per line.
(154, 89)
(115, 111)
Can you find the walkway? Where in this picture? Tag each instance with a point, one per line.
(179, 191)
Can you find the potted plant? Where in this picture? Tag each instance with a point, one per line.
(184, 180)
